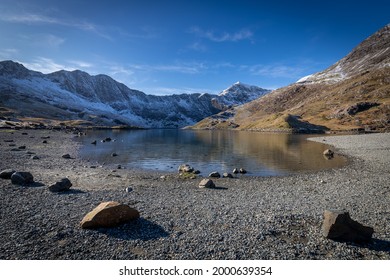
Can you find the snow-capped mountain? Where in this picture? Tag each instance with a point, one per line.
(236, 94)
(371, 54)
(100, 100)
(352, 94)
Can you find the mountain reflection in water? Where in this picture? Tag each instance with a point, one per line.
(208, 150)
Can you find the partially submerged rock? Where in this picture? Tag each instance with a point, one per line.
(109, 214)
(215, 175)
(185, 168)
(22, 178)
(339, 226)
(63, 185)
(206, 183)
(328, 153)
(227, 175)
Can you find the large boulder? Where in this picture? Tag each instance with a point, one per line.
(22, 178)
(7, 173)
(339, 226)
(109, 214)
(206, 183)
(63, 185)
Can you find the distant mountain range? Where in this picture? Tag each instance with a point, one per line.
(77, 98)
(352, 94)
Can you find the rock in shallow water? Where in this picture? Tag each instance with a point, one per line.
(109, 214)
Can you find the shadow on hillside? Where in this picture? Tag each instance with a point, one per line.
(297, 124)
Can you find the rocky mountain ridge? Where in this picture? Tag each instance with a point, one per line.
(78, 98)
(352, 94)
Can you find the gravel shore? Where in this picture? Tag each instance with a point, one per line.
(245, 218)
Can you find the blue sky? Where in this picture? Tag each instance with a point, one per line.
(169, 47)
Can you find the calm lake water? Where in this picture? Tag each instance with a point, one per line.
(165, 149)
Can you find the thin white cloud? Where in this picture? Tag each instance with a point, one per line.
(274, 70)
(80, 63)
(33, 18)
(46, 65)
(185, 68)
(8, 53)
(171, 90)
(243, 34)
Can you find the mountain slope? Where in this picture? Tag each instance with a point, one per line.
(354, 93)
(80, 98)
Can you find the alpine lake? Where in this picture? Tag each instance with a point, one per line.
(164, 150)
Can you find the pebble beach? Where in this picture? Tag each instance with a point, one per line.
(241, 218)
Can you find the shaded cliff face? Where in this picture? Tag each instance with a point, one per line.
(100, 100)
(354, 93)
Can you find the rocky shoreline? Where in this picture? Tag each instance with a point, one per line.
(246, 218)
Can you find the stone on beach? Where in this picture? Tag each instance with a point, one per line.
(109, 214)
(185, 168)
(66, 156)
(206, 183)
(328, 153)
(227, 175)
(339, 226)
(22, 178)
(63, 185)
(7, 173)
(215, 175)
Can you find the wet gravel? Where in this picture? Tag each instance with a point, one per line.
(242, 218)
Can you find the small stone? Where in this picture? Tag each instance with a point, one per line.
(24, 133)
(215, 175)
(162, 177)
(108, 139)
(328, 153)
(22, 147)
(7, 173)
(185, 168)
(44, 142)
(206, 183)
(93, 142)
(242, 171)
(35, 157)
(235, 171)
(63, 185)
(109, 214)
(129, 189)
(119, 166)
(114, 154)
(8, 141)
(67, 156)
(15, 150)
(22, 178)
(338, 225)
(227, 175)
(196, 172)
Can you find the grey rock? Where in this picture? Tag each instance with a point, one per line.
(206, 183)
(7, 173)
(235, 171)
(243, 171)
(35, 157)
(227, 175)
(22, 147)
(44, 142)
(67, 156)
(93, 142)
(114, 154)
(185, 168)
(215, 175)
(63, 185)
(339, 226)
(22, 178)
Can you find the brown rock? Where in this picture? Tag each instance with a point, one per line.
(206, 183)
(338, 225)
(109, 214)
